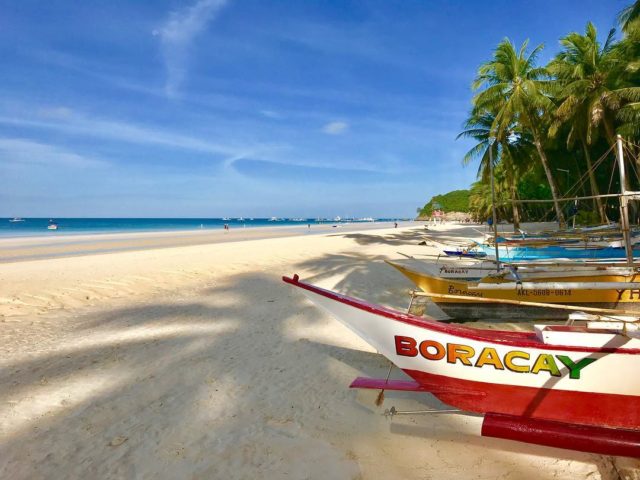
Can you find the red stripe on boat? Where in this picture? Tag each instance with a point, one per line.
(587, 408)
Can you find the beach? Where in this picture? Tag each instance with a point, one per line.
(184, 355)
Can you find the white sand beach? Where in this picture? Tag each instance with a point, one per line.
(196, 361)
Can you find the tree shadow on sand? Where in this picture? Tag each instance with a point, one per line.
(235, 382)
(175, 389)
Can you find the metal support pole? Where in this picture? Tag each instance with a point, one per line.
(624, 204)
(493, 206)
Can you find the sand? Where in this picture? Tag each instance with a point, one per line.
(197, 361)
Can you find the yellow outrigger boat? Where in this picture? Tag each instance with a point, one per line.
(456, 297)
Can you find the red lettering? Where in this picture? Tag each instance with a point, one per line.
(439, 350)
(406, 346)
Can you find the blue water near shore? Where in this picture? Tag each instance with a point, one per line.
(38, 226)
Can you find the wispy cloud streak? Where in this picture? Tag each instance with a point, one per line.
(177, 35)
(123, 132)
(19, 150)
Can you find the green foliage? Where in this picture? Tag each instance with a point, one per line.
(455, 201)
(586, 218)
(547, 126)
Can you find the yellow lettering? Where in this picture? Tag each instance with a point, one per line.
(546, 362)
(489, 356)
(510, 356)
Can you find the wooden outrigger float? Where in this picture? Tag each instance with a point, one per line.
(573, 387)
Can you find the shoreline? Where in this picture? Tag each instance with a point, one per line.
(21, 249)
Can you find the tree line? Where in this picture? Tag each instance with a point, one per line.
(549, 127)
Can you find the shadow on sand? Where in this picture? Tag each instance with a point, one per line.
(221, 387)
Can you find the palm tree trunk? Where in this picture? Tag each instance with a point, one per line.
(513, 189)
(514, 205)
(609, 130)
(550, 179)
(592, 182)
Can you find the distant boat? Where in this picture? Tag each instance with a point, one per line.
(337, 219)
(52, 225)
(226, 219)
(16, 220)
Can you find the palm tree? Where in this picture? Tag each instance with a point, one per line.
(629, 15)
(582, 69)
(480, 197)
(628, 74)
(508, 152)
(517, 91)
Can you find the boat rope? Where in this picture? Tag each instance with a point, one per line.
(585, 176)
(380, 397)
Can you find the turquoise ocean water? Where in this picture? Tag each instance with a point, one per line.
(38, 226)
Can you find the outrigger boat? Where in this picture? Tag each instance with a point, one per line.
(573, 387)
(457, 298)
(465, 253)
(579, 252)
(516, 271)
(589, 285)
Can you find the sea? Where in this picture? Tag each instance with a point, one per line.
(39, 226)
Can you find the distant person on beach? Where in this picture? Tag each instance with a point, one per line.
(395, 224)
(308, 225)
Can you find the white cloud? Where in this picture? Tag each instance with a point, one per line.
(272, 114)
(18, 150)
(335, 128)
(177, 35)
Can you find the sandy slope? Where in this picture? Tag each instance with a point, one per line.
(198, 362)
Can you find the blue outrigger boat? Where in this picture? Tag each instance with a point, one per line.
(465, 253)
(515, 253)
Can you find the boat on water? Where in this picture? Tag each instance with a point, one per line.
(463, 299)
(16, 220)
(570, 386)
(52, 225)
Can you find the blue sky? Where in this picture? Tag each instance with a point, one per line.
(249, 107)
